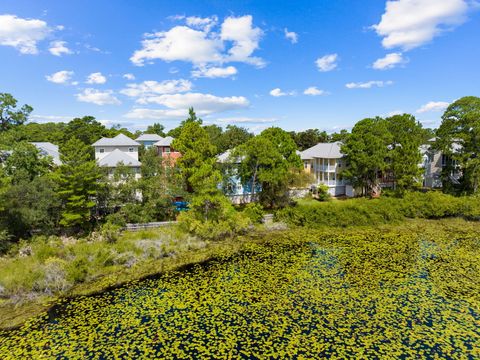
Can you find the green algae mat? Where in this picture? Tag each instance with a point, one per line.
(409, 293)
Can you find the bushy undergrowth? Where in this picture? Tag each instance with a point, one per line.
(52, 265)
(364, 212)
(213, 217)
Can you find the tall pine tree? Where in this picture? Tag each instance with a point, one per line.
(78, 180)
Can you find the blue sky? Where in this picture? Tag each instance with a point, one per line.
(293, 64)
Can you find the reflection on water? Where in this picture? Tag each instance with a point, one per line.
(302, 295)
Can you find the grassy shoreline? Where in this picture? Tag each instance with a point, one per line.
(59, 268)
(13, 315)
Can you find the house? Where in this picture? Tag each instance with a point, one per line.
(238, 192)
(49, 149)
(165, 150)
(325, 161)
(434, 163)
(148, 140)
(44, 148)
(109, 152)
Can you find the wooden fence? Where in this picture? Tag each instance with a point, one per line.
(151, 225)
(267, 218)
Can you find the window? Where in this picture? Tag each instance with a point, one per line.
(167, 150)
(101, 151)
(130, 149)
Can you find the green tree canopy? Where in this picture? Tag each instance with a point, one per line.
(308, 138)
(87, 130)
(156, 128)
(366, 151)
(404, 154)
(269, 159)
(197, 162)
(459, 137)
(10, 116)
(192, 117)
(30, 205)
(26, 162)
(78, 182)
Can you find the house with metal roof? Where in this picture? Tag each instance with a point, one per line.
(49, 149)
(165, 150)
(148, 140)
(109, 152)
(325, 161)
(233, 187)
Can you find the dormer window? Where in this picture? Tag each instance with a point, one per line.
(101, 151)
(130, 149)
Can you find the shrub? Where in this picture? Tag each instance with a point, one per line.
(363, 212)
(54, 279)
(213, 217)
(110, 232)
(77, 270)
(254, 212)
(322, 192)
(5, 241)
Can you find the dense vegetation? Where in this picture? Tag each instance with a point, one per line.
(60, 224)
(405, 291)
(366, 212)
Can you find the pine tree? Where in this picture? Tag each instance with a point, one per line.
(78, 180)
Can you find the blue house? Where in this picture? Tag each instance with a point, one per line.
(147, 140)
(233, 187)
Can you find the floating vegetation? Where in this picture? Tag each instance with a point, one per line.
(299, 294)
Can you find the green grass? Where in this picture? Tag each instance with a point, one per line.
(59, 267)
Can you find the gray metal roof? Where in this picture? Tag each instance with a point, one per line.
(119, 140)
(149, 137)
(323, 151)
(118, 156)
(166, 141)
(49, 149)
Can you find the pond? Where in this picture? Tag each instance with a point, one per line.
(301, 294)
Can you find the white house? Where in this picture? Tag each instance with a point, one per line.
(109, 152)
(434, 163)
(325, 161)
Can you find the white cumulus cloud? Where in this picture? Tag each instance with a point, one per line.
(277, 92)
(59, 48)
(290, 35)
(389, 61)
(98, 97)
(202, 23)
(433, 106)
(177, 106)
(129, 76)
(314, 91)
(179, 43)
(408, 24)
(147, 89)
(22, 34)
(60, 77)
(96, 78)
(368, 84)
(194, 42)
(245, 120)
(327, 62)
(157, 114)
(245, 38)
(214, 72)
(202, 103)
